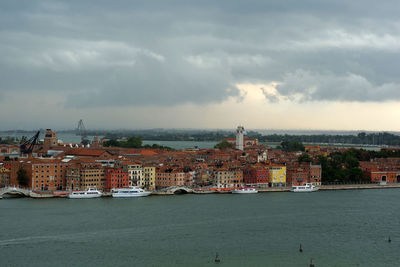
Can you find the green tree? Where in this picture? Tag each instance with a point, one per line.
(132, 142)
(304, 158)
(22, 177)
(223, 145)
(111, 142)
(291, 146)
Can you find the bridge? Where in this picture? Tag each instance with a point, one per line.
(12, 190)
(177, 190)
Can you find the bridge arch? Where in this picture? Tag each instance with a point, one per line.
(14, 191)
(180, 190)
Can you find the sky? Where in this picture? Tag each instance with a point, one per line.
(264, 64)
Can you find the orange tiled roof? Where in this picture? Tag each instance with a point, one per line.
(86, 152)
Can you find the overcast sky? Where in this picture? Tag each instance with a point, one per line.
(277, 64)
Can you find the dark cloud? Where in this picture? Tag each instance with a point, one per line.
(122, 53)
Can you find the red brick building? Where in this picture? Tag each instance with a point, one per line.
(116, 178)
(301, 173)
(256, 175)
(47, 174)
(386, 170)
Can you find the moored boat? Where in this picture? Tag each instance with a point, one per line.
(308, 187)
(245, 190)
(89, 193)
(134, 191)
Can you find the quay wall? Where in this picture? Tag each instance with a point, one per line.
(261, 190)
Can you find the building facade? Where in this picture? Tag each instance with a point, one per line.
(116, 178)
(225, 178)
(256, 176)
(149, 177)
(4, 177)
(277, 176)
(168, 176)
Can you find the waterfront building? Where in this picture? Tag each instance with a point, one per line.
(315, 174)
(116, 178)
(228, 178)
(189, 178)
(13, 167)
(4, 177)
(135, 171)
(149, 177)
(46, 174)
(385, 176)
(386, 170)
(301, 173)
(73, 178)
(84, 175)
(169, 176)
(277, 175)
(256, 175)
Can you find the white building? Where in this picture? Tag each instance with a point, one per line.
(240, 137)
(135, 174)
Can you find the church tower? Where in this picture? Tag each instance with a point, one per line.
(239, 137)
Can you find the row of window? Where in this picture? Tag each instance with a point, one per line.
(48, 166)
(48, 176)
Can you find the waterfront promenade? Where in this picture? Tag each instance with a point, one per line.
(179, 190)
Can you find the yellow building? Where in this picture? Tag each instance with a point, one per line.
(149, 177)
(277, 175)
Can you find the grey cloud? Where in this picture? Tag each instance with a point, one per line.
(308, 86)
(123, 53)
(150, 82)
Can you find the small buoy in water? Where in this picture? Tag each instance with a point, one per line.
(389, 240)
(312, 263)
(217, 258)
(301, 248)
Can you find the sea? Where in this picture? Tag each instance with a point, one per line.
(334, 228)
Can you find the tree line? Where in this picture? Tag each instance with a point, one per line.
(133, 142)
(360, 139)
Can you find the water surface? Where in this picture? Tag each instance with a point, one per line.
(335, 228)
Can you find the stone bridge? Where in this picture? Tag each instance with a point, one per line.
(14, 191)
(178, 190)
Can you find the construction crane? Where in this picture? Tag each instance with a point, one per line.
(81, 130)
(28, 146)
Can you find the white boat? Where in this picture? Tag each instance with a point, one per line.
(134, 191)
(246, 190)
(308, 187)
(89, 193)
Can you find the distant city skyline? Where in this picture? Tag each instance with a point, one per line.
(200, 64)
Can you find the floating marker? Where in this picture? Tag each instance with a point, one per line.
(217, 258)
